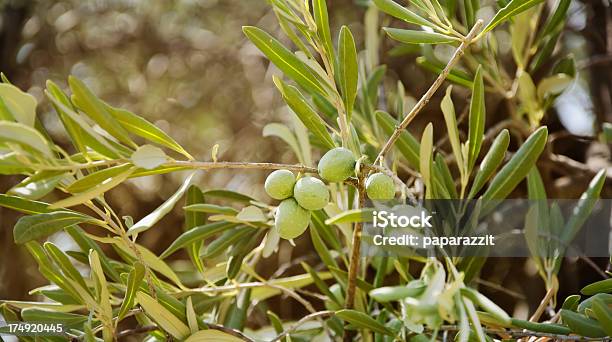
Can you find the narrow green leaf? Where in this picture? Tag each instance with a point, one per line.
(193, 219)
(347, 69)
(102, 292)
(309, 117)
(418, 37)
(491, 161)
(21, 105)
(396, 10)
(133, 284)
(196, 234)
(148, 157)
(96, 178)
(602, 286)
(448, 109)
(38, 185)
(148, 221)
(226, 239)
(321, 17)
(283, 132)
(72, 128)
(93, 192)
(582, 325)
(88, 136)
(603, 313)
(210, 209)
(141, 127)
(486, 304)
(557, 19)
(64, 264)
(41, 315)
(513, 8)
(426, 156)
(541, 327)
(477, 119)
(29, 228)
(25, 136)
(456, 76)
(393, 293)
(363, 321)
(518, 167)
(212, 335)
(164, 318)
(95, 109)
(285, 60)
(584, 206)
(351, 216)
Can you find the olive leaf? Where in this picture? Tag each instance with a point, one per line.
(363, 321)
(513, 8)
(135, 277)
(148, 157)
(476, 119)
(84, 99)
(164, 318)
(148, 221)
(394, 9)
(20, 105)
(321, 17)
(29, 228)
(285, 60)
(347, 69)
(518, 166)
(309, 117)
(418, 37)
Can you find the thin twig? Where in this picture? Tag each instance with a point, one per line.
(431, 91)
(136, 331)
(232, 332)
(241, 165)
(522, 333)
(299, 323)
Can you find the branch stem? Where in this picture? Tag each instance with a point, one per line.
(431, 91)
(354, 260)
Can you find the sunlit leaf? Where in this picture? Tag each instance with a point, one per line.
(148, 221)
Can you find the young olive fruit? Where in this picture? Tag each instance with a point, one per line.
(380, 187)
(337, 165)
(291, 220)
(279, 184)
(311, 193)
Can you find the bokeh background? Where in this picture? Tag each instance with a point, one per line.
(186, 66)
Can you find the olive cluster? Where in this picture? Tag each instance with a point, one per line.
(301, 196)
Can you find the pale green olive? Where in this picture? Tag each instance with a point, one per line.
(291, 220)
(337, 165)
(311, 193)
(279, 184)
(380, 187)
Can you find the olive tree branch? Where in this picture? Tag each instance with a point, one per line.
(241, 165)
(469, 39)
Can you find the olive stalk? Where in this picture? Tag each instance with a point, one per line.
(354, 259)
(469, 39)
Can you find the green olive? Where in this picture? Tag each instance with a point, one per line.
(311, 193)
(279, 184)
(380, 187)
(337, 165)
(291, 220)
